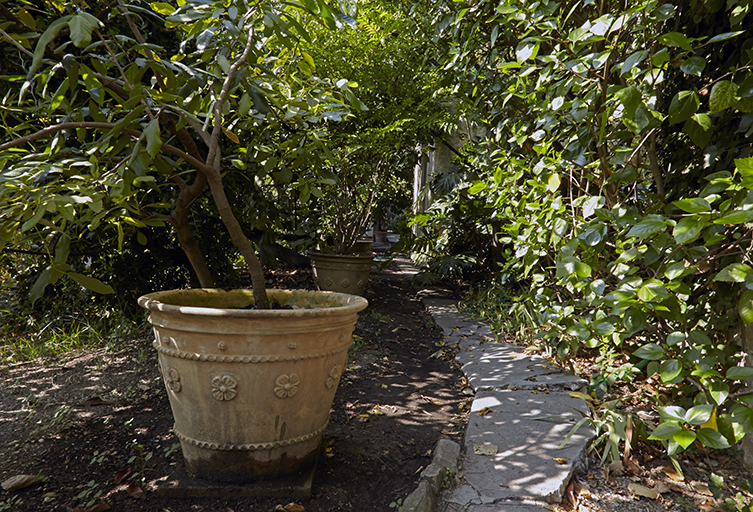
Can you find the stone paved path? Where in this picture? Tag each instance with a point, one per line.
(511, 459)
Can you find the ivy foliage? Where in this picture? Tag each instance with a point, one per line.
(617, 175)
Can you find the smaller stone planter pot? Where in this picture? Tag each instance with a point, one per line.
(362, 246)
(343, 273)
(250, 390)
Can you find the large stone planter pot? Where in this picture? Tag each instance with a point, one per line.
(250, 390)
(343, 273)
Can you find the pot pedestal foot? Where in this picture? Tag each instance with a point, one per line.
(182, 485)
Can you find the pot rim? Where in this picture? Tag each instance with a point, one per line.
(325, 305)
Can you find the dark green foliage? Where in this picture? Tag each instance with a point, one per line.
(618, 180)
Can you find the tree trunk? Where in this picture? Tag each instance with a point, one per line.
(190, 246)
(239, 238)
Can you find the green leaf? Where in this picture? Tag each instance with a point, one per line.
(694, 205)
(553, 183)
(693, 66)
(671, 413)
(688, 229)
(724, 36)
(34, 219)
(59, 96)
(153, 140)
(675, 270)
(604, 328)
(652, 224)
(698, 338)
(674, 338)
(665, 431)
(719, 392)
(734, 217)
(670, 369)
(700, 129)
(477, 187)
(676, 39)
(162, 8)
(62, 249)
(630, 97)
(745, 307)
(699, 414)
(526, 50)
(722, 96)
(45, 39)
(632, 61)
(744, 166)
(739, 373)
(734, 273)
(682, 107)
(634, 321)
(244, 105)
(82, 25)
(684, 438)
(713, 439)
(652, 292)
(37, 289)
(650, 351)
(91, 283)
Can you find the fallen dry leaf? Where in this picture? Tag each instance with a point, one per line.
(672, 473)
(640, 490)
(293, 507)
(581, 490)
(662, 487)
(123, 474)
(614, 468)
(434, 401)
(20, 481)
(570, 499)
(632, 467)
(484, 411)
(702, 489)
(709, 506)
(134, 491)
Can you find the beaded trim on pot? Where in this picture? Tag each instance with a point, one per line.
(252, 446)
(217, 358)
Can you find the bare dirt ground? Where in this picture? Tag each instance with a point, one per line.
(96, 426)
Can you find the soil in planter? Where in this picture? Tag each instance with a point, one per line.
(97, 425)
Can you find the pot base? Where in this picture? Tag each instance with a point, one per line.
(180, 484)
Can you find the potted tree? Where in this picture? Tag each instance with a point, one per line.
(118, 133)
(344, 259)
(374, 152)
